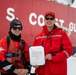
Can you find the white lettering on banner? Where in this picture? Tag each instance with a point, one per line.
(36, 20)
(72, 26)
(30, 18)
(10, 15)
(40, 17)
(39, 20)
(59, 22)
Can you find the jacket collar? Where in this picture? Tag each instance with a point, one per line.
(46, 30)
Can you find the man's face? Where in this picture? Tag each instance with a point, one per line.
(49, 21)
(16, 30)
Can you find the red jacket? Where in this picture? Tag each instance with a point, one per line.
(13, 46)
(59, 46)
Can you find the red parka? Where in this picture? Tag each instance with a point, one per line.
(59, 46)
(4, 50)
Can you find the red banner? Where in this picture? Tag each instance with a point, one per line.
(31, 14)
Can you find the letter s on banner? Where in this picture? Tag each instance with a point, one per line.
(9, 12)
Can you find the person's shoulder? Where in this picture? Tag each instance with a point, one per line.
(64, 30)
(23, 41)
(3, 39)
(39, 33)
(59, 29)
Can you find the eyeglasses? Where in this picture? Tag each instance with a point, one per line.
(15, 28)
(50, 18)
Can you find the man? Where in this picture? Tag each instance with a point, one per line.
(14, 58)
(57, 47)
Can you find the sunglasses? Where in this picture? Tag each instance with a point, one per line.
(15, 28)
(50, 18)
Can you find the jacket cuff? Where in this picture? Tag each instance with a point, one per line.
(28, 66)
(7, 66)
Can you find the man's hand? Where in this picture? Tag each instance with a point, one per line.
(36, 66)
(23, 72)
(17, 71)
(20, 71)
(48, 57)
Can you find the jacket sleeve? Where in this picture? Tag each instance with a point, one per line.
(35, 42)
(66, 49)
(4, 64)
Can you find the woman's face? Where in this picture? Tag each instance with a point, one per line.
(16, 30)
